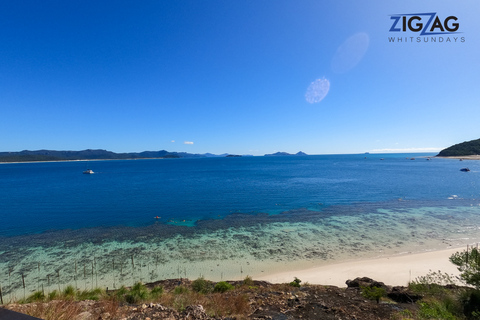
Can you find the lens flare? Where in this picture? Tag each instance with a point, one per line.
(350, 53)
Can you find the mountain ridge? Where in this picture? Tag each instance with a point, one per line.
(93, 154)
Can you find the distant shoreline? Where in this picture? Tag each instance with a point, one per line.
(81, 160)
(471, 157)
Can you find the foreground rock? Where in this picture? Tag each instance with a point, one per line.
(261, 300)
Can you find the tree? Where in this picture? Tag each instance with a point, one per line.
(468, 263)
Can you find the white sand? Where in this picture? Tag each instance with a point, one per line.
(395, 270)
(472, 157)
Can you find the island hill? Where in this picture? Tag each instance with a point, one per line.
(464, 149)
(100, 154)
(300, 153)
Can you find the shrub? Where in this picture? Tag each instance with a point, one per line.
(139, 292)
(93, 294)
(156, 292)
(37, 296)
(120, 294)
(373, 293)
(435, 310)
(52, 295)
(202, 286)
(431, 284)
(296, 282)
(471, 304)
(248, 281)
(222, 286)
(468, 263)
(180, 290)
(69, 292)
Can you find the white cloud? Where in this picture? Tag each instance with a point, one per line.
(187, 142)
(406, 150)
(317, 90)
(172, 141)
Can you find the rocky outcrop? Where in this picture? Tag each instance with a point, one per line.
(259, 300)
(365, 282)
(403, 295)
(397, 294)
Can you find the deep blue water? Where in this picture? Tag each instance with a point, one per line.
(35, 197)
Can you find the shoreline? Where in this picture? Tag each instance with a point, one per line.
(80, 160)
(396, 270)
(471, 157)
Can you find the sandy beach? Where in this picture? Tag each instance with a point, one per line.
(471, 157)
(394, 270)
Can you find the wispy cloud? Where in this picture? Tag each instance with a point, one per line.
(406, 150)
(172, 141)
(187, 142)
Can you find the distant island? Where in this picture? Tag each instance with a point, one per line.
(300, 153)
(94, 154)
(101, 154)
(467, 148)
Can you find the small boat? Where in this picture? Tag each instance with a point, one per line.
(465, 169)
(88, 171)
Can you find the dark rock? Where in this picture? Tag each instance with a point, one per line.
(365, 282)
(403, 295)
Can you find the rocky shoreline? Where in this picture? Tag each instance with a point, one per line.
(261, 300)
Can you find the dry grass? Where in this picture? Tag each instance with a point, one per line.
(65, 309)
(180, 301)
(55, 310)
(215, 304)
(222, 305)
(67, 304)
(110, 306)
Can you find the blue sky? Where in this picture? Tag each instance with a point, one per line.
(232, 76)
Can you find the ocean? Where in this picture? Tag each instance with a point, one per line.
(224, 218)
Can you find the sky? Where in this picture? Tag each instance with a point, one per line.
(239, 77)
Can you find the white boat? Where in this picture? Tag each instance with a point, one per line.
(88, 171)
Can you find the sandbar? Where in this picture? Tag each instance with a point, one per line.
(394, 270)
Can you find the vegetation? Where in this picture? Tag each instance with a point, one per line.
(373, 293)
(137, 293)
(466, 148)
(222, 286)
(296, 282)
(248, 281)
(432, 284)
(89, 154)
(438, 301)
(202, 286)
(468, 263)
(28, 158)
(180, 290)
(442, 299)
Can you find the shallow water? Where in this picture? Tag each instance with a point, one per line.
(291, 213)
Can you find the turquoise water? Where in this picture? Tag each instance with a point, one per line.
(35, 197)
(224, 217)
